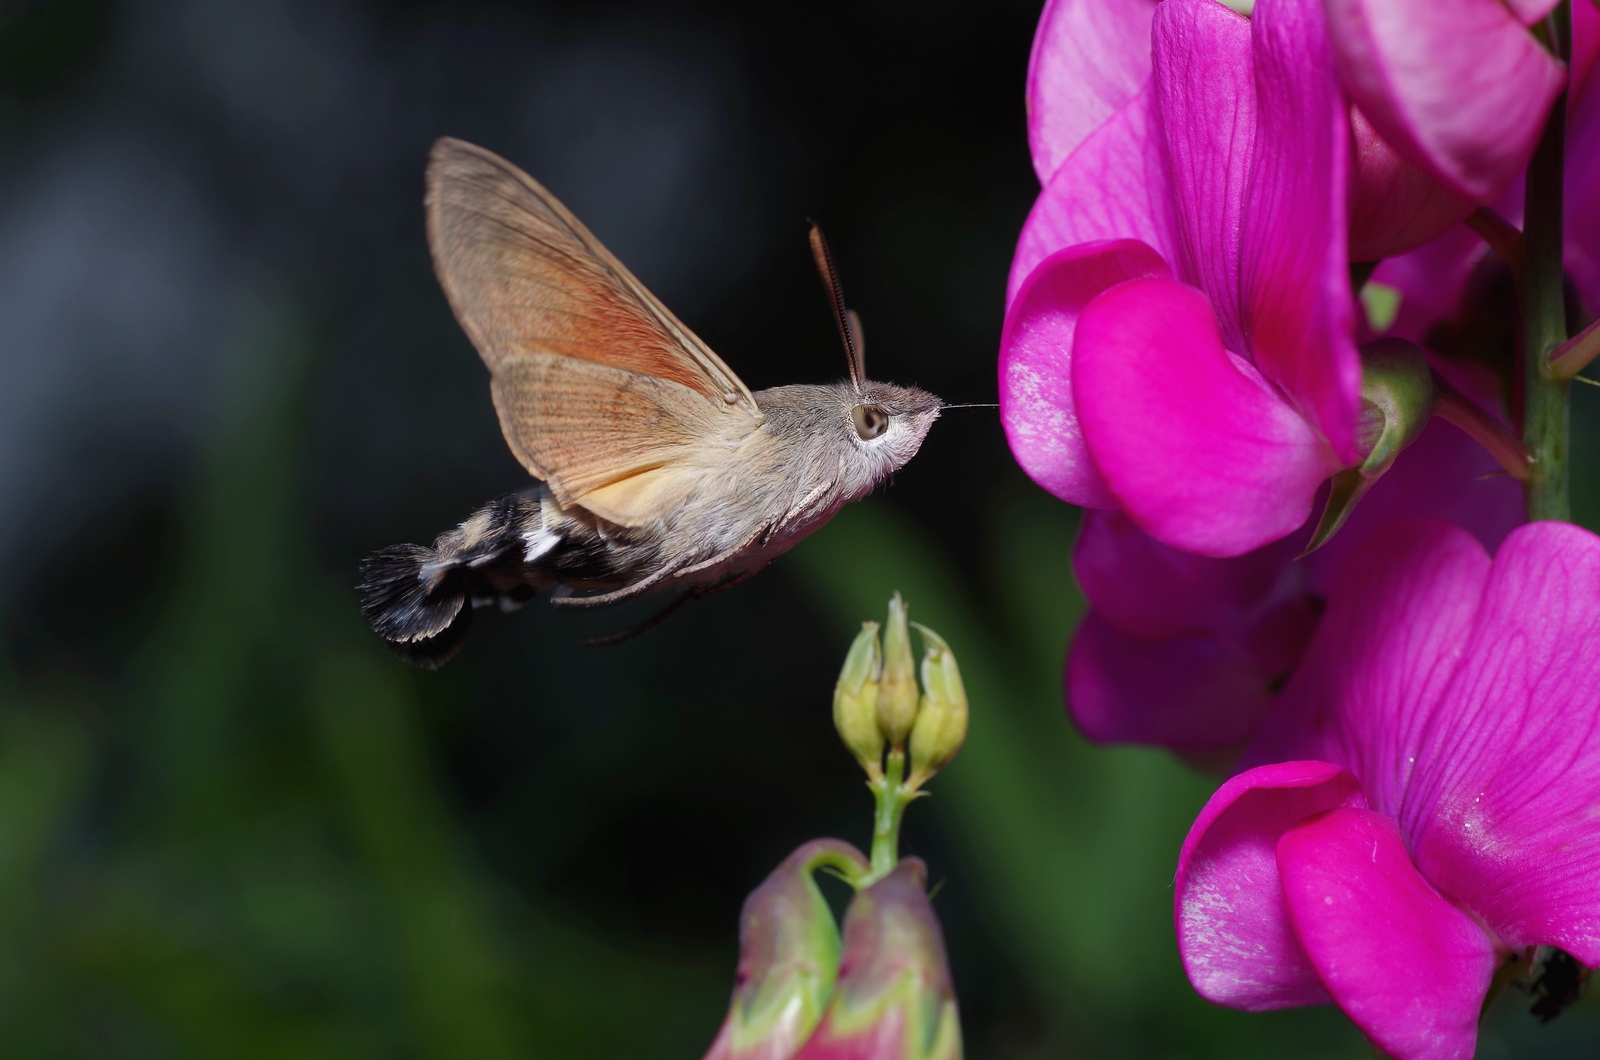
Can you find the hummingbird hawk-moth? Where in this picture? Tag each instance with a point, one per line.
(658, 469)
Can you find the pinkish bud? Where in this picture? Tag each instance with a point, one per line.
(788, 957)
(894, 999)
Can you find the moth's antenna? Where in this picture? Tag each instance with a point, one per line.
(849, 323)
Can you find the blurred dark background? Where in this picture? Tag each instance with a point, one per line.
(232, 825)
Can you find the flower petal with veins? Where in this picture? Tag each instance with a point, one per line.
(1206, 99)
(1294, 275)
(1407, 967)
(1089, 58)
(1503, 811)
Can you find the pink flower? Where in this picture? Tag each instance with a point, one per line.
(1159, 166)
(1433, 280)
(1422, 799)
(1090, 60)
(1179, 339)
(1190, 652)
(1459, 88)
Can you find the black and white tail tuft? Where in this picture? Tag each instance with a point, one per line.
(420, 599)
(424, 623)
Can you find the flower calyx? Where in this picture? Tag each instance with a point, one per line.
(1397, 398)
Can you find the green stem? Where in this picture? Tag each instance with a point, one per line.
(1513, 967)
(892, 799)
(1545, 410)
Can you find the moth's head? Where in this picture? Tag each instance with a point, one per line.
(886, 423)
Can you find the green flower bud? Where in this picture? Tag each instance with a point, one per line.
(855, 701)
(941, 726)
(897, 691)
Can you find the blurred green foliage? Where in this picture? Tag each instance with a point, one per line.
(266, 868)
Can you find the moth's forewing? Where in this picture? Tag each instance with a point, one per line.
(592, 425)
(595, 381)
(525, 276)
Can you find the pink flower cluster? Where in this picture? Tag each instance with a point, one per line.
(1189, 355)
(1420, 807)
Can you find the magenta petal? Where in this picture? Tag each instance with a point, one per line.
(1113, 187)
(1444, 475)
(1036, 405)
(1149, 590)
(1407, 967)
(1585, 53)
(1503, 812)
(1459, 87)
(1197, 448)
(1089, 58)
(1234, 934)
(1206, 99)
(1194, 693)
(1531, 11)
(1431, 280)
(1395, 206)
(1294, 276)
(1370, 685)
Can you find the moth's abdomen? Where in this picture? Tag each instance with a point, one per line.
(420, 599)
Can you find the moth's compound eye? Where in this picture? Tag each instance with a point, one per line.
(870, 420)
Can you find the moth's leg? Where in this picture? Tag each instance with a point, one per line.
(667, 612)
(798, 511)
(727, 553)
(633, 631)
(601, 599)
(726, 583)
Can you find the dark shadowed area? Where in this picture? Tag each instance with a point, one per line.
(233, 825)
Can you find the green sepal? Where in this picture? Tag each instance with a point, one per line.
(1396, 401)
(941, 725)
(855, 700)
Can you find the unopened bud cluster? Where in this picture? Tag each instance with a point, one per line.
(877, 703)
(884, 992)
